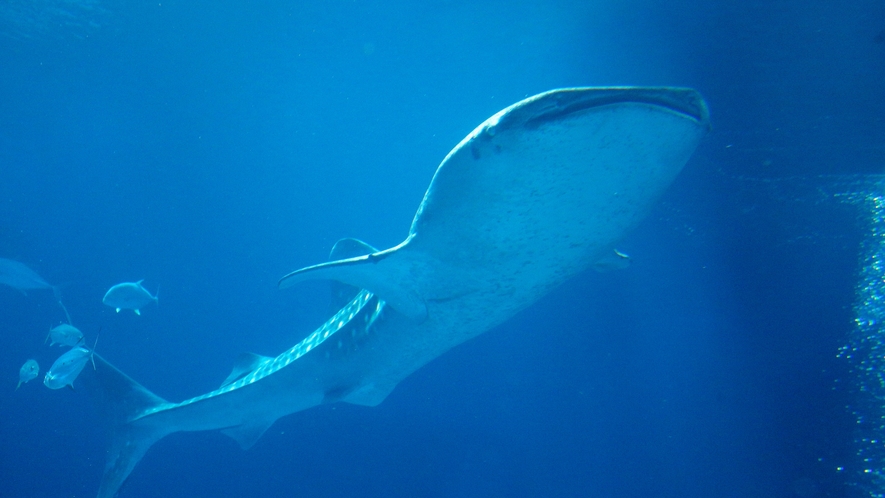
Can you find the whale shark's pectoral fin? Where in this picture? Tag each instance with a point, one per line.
(385, 273)
(247, 362)
(249, 433)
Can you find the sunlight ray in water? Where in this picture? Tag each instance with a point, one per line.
(863, 346)
(865, 349)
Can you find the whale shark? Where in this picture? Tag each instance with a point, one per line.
(539, 192)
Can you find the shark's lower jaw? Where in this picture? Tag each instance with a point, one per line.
(540, 191)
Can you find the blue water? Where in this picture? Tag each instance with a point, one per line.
(209, 148)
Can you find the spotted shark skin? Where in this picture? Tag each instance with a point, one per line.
(273, 365)
(539, 192)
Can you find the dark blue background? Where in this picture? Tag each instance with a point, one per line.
(209, 148)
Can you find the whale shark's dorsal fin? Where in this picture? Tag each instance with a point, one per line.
(346, 248)
(247, 362)
(350, 248)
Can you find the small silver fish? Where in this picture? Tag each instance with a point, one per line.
(65, 335)
(129, 296)
(68, 366)
(27, 372)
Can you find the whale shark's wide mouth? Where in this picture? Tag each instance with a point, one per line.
(684, 101)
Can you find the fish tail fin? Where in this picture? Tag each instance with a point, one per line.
(157, 295)
(47, 335)
(19, 385)
(121, 400)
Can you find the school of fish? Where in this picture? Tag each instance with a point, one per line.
(64, 370)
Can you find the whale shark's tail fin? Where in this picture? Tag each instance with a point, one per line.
(121, 400)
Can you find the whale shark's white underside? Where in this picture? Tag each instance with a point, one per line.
(540, 191)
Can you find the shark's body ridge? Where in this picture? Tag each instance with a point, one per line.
(539, 192)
